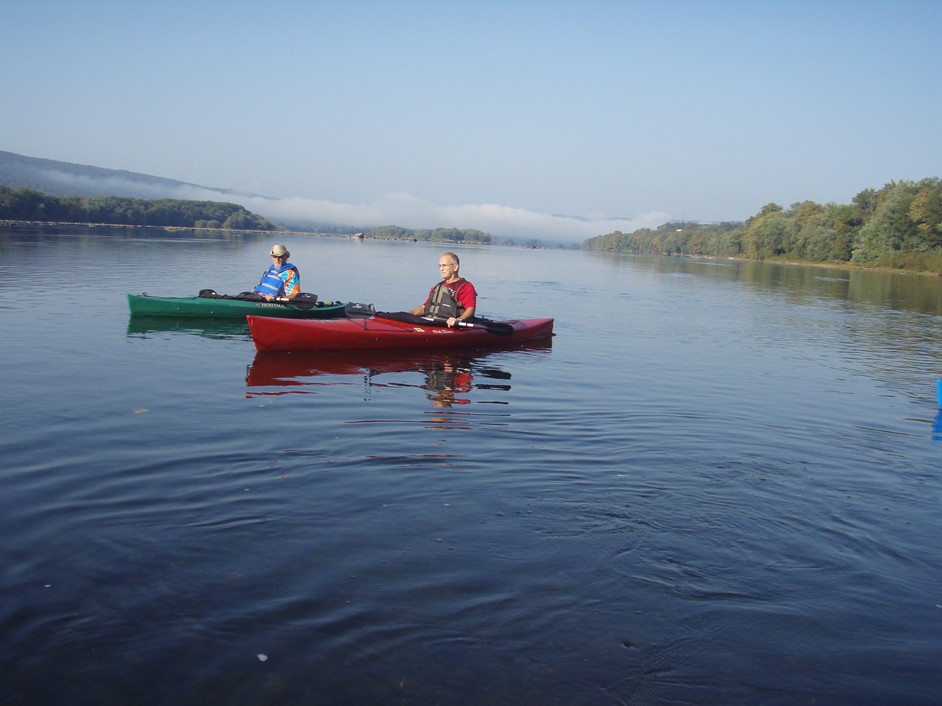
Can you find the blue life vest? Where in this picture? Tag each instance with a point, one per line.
(271, 283)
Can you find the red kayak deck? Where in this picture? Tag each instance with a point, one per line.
(372, 333)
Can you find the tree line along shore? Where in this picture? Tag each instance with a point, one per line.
(29, 205)
(24, 205)
(896, 227)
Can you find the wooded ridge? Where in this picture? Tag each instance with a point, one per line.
(898, 226)
(29, 205)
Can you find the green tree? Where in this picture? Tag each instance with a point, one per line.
(769, 234)
(865, 205)
(890, 226)
(817, 239)
(925, 212)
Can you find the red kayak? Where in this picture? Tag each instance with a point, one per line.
(272, 334)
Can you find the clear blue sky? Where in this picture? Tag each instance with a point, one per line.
(495, 115)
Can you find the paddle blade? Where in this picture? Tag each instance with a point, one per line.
(495, 327)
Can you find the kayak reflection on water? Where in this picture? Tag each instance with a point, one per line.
(148, 326)
(449, 378)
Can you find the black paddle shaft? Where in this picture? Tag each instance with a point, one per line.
(495, 327)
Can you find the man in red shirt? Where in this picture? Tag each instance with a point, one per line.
(454, 298)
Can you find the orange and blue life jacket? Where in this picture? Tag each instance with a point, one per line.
(284, 281)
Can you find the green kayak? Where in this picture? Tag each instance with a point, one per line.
(222, 306)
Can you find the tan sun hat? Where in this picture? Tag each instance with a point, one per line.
(279, 250)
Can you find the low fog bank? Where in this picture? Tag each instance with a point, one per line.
(408, 211)
(396, 209)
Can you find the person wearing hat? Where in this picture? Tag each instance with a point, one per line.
(282, 279)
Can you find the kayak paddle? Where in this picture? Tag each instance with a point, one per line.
(495, 327)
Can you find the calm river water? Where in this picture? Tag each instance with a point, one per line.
(720, 484)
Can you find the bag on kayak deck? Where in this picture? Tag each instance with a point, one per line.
(304, 300)
(208, 294)
(358, 311)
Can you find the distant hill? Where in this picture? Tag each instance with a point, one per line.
(67, 179)
(64, 179)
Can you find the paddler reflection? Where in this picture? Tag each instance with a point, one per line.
(448, 385)
(449, 379)
(280, 369)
